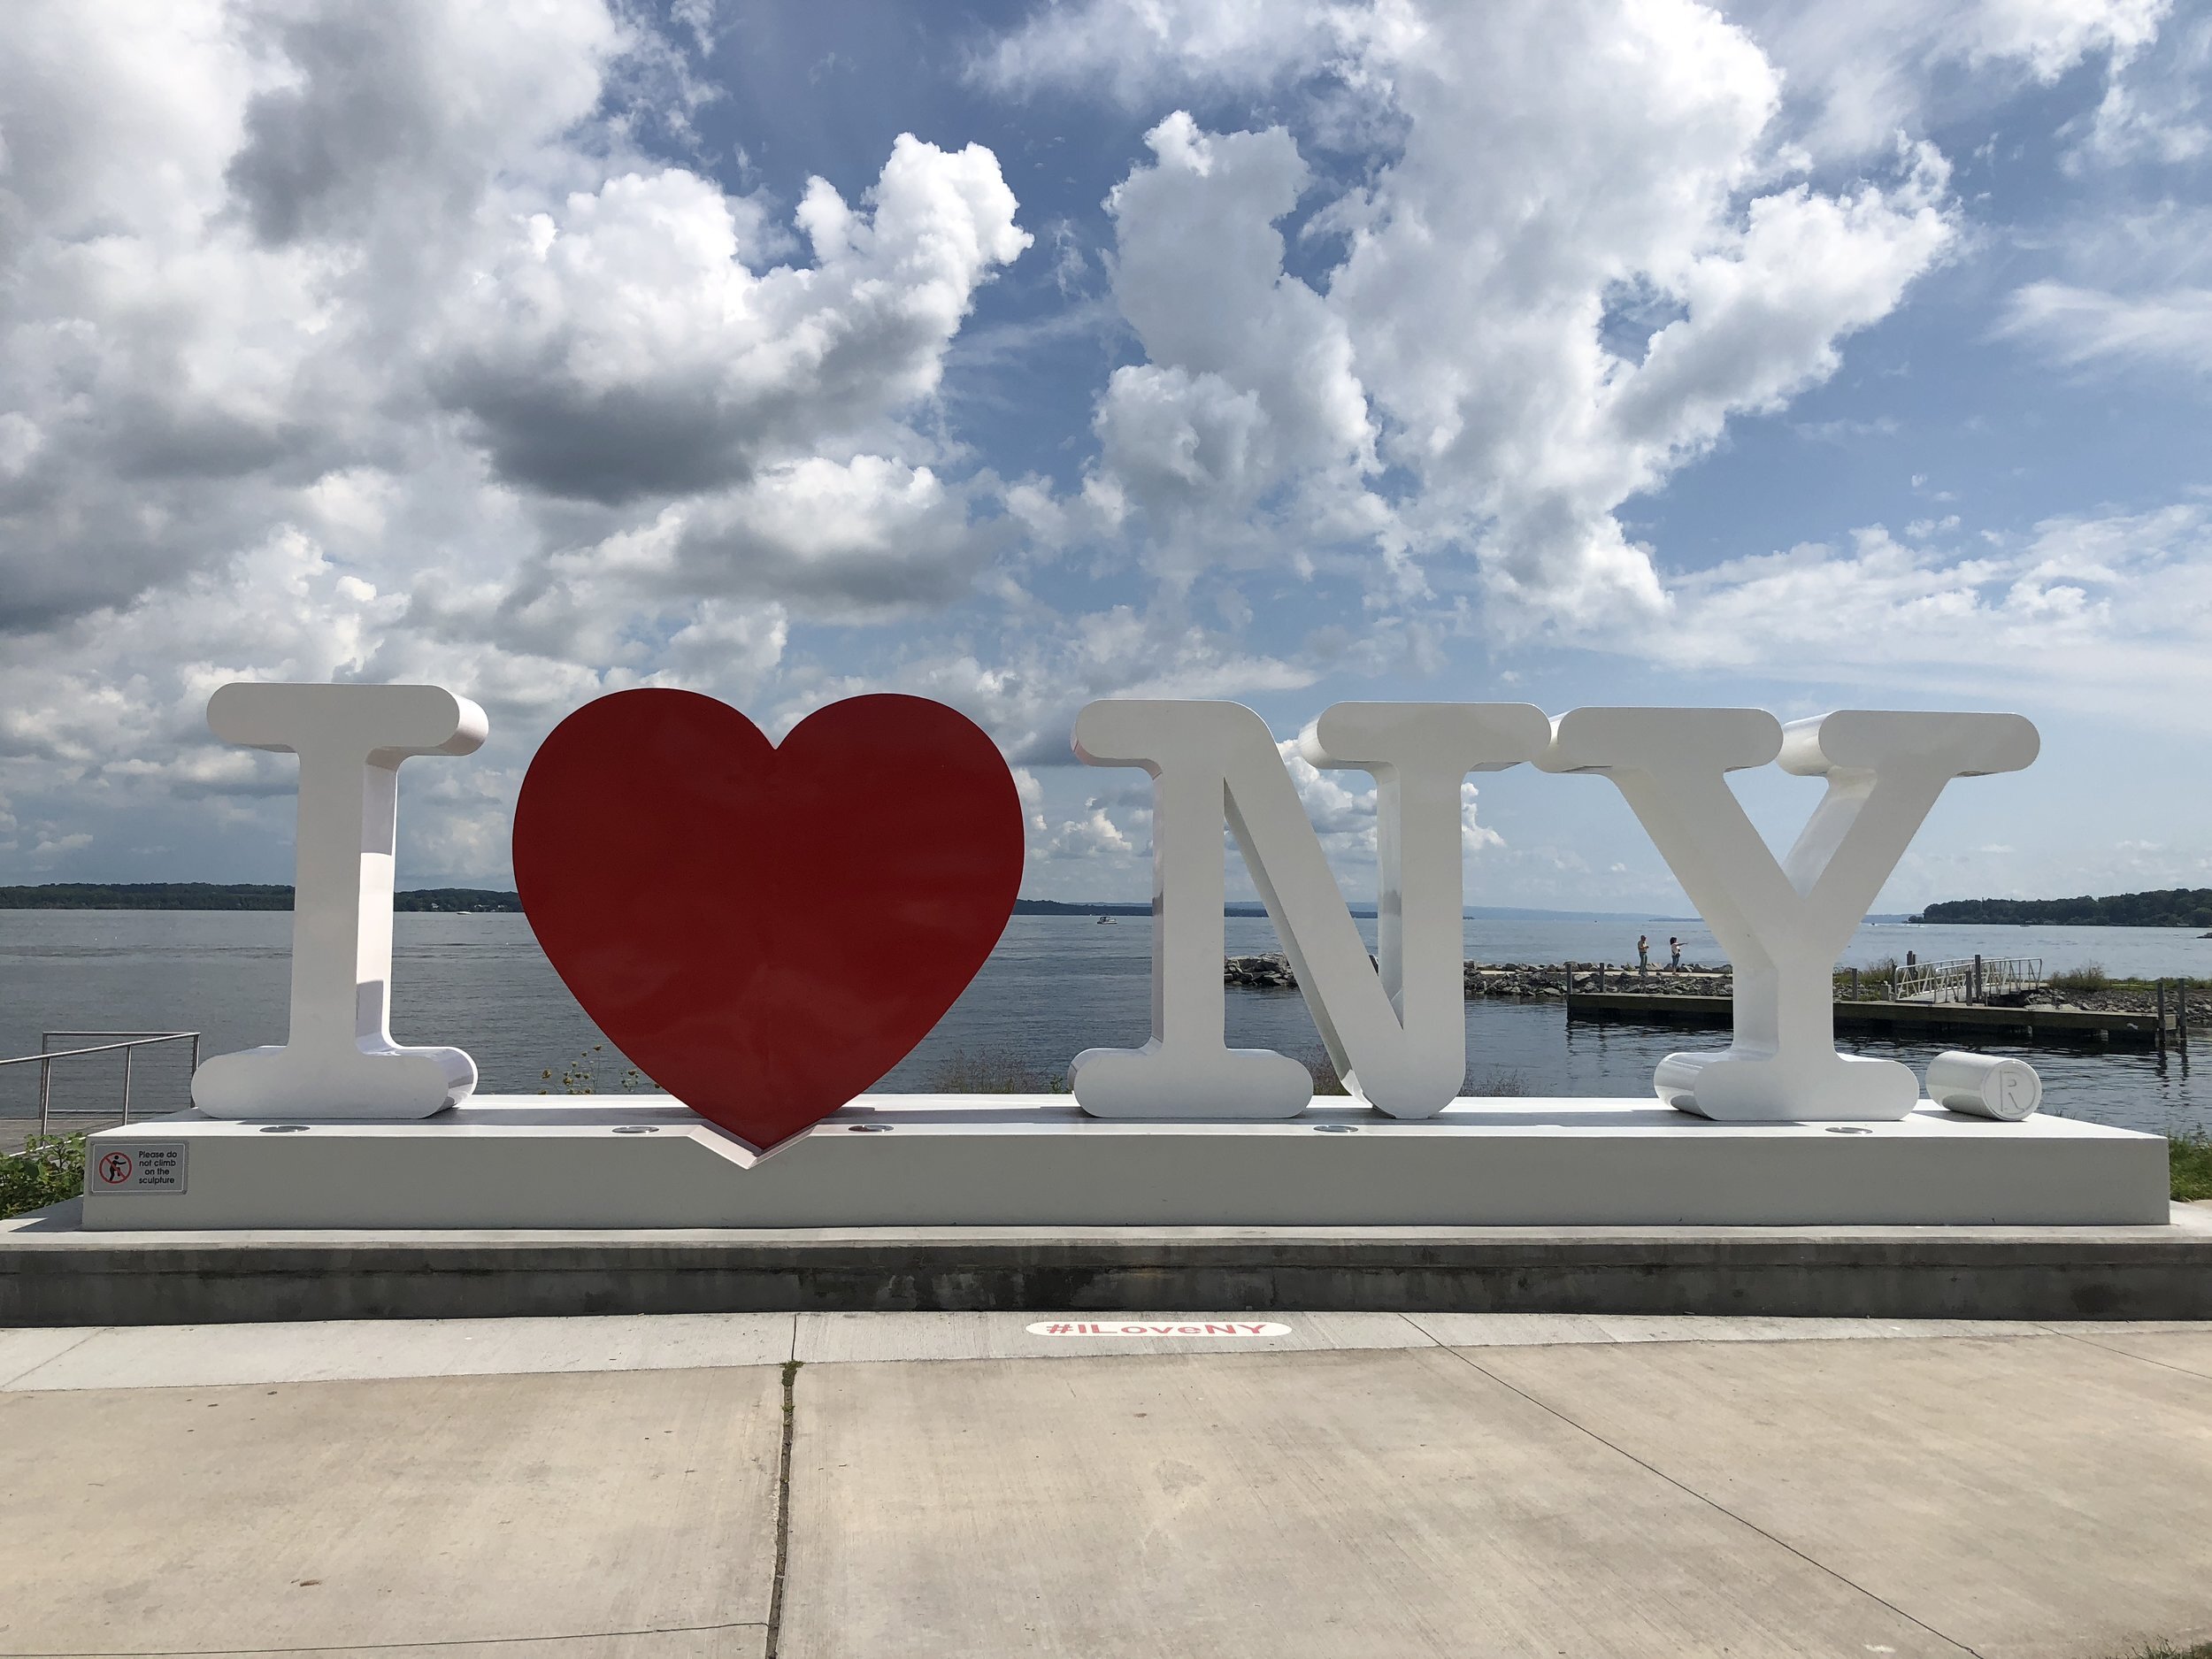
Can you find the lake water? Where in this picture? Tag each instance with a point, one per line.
(1056, 984)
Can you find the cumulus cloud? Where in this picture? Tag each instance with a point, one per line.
(352, 340)
(623, 348)
(1129, 48)
(1248, 417)
(1577, 266)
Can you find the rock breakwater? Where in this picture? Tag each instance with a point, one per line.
(1512, 981)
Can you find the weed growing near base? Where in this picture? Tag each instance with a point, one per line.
(49, 1169)
(577, 1076)
(2189, 1163)
(992, 1073)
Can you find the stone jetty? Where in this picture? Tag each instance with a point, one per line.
(1513, 981)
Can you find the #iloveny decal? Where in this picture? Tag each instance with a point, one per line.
(766, 929)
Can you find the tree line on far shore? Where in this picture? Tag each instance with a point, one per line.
(2170, 907)
(2173, 907)
(218, 895)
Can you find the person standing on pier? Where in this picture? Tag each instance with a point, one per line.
(1674, 954)
(1643, 956)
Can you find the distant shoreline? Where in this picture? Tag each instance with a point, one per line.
(2169, 907)
(213, 895)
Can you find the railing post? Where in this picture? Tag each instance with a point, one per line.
(129, 1055)
(45, 1085)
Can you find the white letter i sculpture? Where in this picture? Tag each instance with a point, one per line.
(340, 1061)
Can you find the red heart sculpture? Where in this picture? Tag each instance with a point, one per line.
(767, 930)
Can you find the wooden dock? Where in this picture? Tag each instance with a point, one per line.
(2030, 1024)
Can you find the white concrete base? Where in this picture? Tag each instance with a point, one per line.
(919, 1161)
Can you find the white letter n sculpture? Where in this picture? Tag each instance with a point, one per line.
(1784, 923)
(1398, 1038)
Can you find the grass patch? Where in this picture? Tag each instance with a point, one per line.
(2089, 977)
(2189, 1166)
(49, 1169)
(2164, 1650)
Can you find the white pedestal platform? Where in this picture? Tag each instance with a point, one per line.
(1034, 1161)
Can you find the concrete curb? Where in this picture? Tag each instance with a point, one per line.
(53, 1274)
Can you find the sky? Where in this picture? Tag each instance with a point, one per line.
(1572, 352)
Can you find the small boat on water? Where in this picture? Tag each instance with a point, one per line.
(1105, 921)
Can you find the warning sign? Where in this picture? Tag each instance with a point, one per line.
(136, 1168)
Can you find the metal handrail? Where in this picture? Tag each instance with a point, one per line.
(1961, 977)
(133, 1041)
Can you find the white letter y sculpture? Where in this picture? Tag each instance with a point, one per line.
(340, 1061)
(1784, 923)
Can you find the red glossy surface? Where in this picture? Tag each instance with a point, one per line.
(767, 930)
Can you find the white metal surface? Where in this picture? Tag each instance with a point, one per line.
(1395, 1028)
(1785, 922)
(1985, 1086)
(339, 1060)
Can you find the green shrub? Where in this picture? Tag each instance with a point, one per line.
(49, 1169)
(2088, 977)
(2189, 1165)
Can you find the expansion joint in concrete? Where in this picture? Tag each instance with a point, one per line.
(1465, 1358)
(783, 1503)
(2106, 1347)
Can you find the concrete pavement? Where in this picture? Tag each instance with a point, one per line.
(1354, 1485)
(328, 1516)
